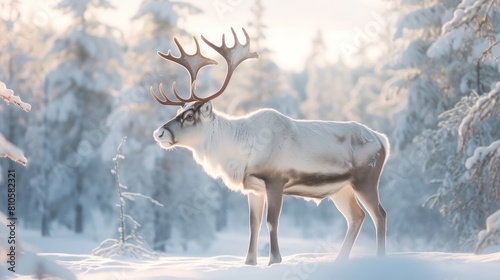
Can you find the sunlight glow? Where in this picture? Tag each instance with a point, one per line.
(291, 24)
(291, 27)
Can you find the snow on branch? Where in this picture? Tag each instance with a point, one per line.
(475, 15)
(484, 107)
(486, 160)
(8, 96)
(482, 154)
(469, 13)
(131, 196)
(9, 150)
(491, 235)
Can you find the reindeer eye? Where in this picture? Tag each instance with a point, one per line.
(189, 117)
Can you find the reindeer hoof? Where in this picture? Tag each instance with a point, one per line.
(251, 261)
(274, 259)
(341, 258)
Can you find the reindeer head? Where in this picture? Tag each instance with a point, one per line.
(186, 128)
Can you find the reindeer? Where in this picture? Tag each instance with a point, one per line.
(266, 155)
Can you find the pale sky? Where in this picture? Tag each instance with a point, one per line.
(291, 24)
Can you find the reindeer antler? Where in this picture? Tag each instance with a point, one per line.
(193, 63)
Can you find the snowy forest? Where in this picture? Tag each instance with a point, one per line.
(433, 89)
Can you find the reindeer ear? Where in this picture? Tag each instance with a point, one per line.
(206, 109)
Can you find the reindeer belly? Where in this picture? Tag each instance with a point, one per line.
(315, 185)
(298, 183)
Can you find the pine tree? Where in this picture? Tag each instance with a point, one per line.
(170, 177)
(13, 71)
(327, 84)
(260, 83)
(469, 185)
(21, 70)
(439, 75)
(368, 101)
(86, 62)
(317, 77)
(418, 85)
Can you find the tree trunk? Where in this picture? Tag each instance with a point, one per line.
(45, 223)
(78, 218)
(163, 232)
(221, 216)
(45, 210)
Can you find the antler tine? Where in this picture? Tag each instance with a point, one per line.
(198, 51)
(169, 55)
(192, 63)
(179, 46)
(236, 41)
(247, 39)
(192, 97)
(224, 50)
(165, 100)
(223, 39)
(232, 55)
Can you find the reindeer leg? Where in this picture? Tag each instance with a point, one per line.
(274, 194)
(255, 208)
(348, 205)
(372, 204)
(366, 190)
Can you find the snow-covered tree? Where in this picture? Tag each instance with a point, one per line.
(23, 68)
(84, 66)
(15, 71)
(29, 263)
(170, 177)
(491, 235)
(418, 78)
(260, 82)
(419, 88)
(442, 73)
(368, 101)
(469, 188)
(327, 85)
(469, 184)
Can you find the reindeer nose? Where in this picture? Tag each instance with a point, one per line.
(161, 135)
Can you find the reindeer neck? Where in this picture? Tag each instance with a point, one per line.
(221, 134)
(223, 147)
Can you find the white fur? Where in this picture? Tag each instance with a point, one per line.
(230, 147)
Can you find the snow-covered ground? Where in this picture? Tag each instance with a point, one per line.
(302, 259)
(423, 266)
